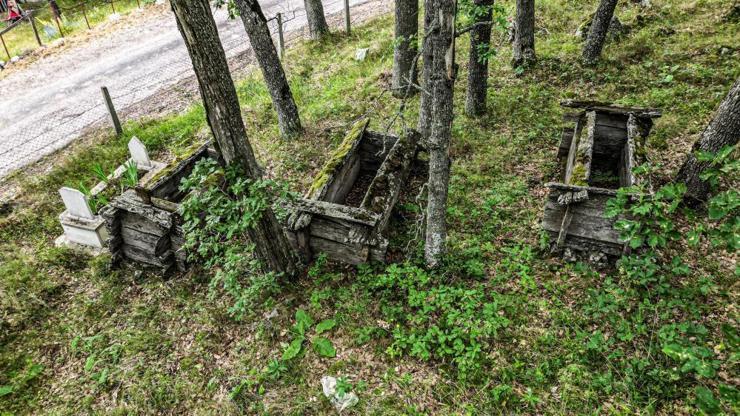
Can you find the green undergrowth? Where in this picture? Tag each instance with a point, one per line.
(501, 328)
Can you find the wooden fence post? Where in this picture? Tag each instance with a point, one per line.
(56, 19)
(346, 16)
(112, 111)
(281, 40)
(35, 31)
(5, 46)
(84, 13)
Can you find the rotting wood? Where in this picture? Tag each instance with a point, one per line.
(324, 222)
(600, 144)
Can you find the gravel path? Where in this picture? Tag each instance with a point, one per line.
(49, 104)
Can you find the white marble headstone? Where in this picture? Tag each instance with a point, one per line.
(76, 203)
(138, 152)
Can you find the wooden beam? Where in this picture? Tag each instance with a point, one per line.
(330, 209)
(609, 108)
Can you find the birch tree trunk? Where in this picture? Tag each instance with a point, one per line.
(425, 101)
(597, 33)
(443, 77)
(404, 52)
(317, 26)
(198, 29)
(524, 54)
(723, 131)
(255, 24)
(480, 39)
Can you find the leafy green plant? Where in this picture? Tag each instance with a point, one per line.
(303, 324)
(444, 322)
(130, 176)
(649, 217)
(223, 204)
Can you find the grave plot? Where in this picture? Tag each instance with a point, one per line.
(84, 228)
(599, 148)
(144, 223)
(346, 211)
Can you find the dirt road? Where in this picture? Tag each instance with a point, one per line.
(47, 105)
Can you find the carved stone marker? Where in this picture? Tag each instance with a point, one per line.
(79, 224)
(139, 153)
(76, 203)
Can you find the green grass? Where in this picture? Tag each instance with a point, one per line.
(538, 336)
(21, 40)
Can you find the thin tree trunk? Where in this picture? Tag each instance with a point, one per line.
(255, 24)
(480, 38)
(195, 22)
(723, 131)
(599, 29)
(317, 26)
(524, 54)
(404, 53)
(443, 76)
(425, 102)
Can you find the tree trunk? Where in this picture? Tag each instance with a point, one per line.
(597, 33)
(425, 102)
(723, 131)
(524, 34)
(255, 24)
(404, 53)
(480, 38)
(317, 26)
(195, 22)
(443, 76)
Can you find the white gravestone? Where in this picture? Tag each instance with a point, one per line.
(139, 153)
(76, 203)
(79, 224)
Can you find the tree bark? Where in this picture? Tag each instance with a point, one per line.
(317, 26)
(404, 53)
(425, 102)
(723, 131)
(597, 33)
(198, 29)
(480, 38)
(255, 24)
(443, 77)
(524, 54)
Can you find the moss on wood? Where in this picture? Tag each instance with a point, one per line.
(337, 158)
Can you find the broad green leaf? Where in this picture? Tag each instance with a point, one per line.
(325, 325)
(324, 347)
(303, 321)
(293, 349)
(5, 390)
(706, 401)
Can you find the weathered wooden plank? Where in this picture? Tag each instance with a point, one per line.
(152, 244)
(565, 140)
(339, 251)
(386, 187)
(627, 177)
(129, 202)
(338, 211)
(138, 256)
(578, 171)
(608, 107)
(570, 188)
(583, 223)
(573, 149)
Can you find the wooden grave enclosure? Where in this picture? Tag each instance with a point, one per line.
(144, 224)
(600, 146)
(346, 211)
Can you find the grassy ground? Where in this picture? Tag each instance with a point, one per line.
(20, 40)
(501, 329)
